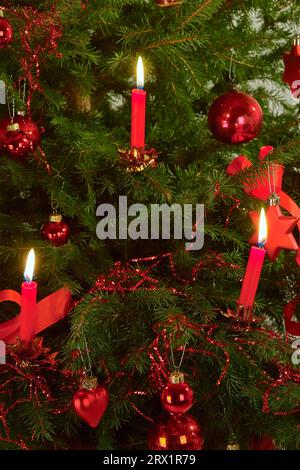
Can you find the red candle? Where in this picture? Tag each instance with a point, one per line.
(28, 302)
(138, 110)
(254, 266)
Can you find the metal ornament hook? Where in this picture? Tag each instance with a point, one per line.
(232, 75)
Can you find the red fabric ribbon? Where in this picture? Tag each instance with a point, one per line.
(259, 187)
(49, 311)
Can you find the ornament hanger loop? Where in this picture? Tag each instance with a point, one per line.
(88, 357)
(177, 367)
(22, 85)
(232, 75)
(271, 178)
(11, 105)
(54, 202)
(273, 199)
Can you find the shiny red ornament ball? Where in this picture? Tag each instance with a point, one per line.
(6, 32)
(16, 142)
(56, 231)
(90, 405)
(177, 396)
(26, 125)
(235, 118)
(175, 432)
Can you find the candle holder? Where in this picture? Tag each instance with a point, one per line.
(241, 314)
(244, 313)
(23, 354)
(136, 159)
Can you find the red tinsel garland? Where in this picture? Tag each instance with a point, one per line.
(39, 32)
(131, 276)
(31, 369)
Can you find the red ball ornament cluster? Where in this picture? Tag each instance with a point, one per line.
(6, 31)
(175, 430)
(56, 231)
(235, 118)
(16, 143)
(19, 137)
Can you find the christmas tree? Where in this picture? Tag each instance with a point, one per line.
(131, 336)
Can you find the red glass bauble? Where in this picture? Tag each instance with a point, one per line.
(56, 231)
(16, 142)
(6, 33)
(235, 118)
(175, 432)
(177, 396)
(90, 405)
(26, 125)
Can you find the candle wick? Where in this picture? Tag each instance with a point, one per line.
(261, 244)
(140, 86)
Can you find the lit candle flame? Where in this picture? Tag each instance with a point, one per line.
(263, 232)
(29, 269)
(140, 73)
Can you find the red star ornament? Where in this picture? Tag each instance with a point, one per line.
(292, 64)
(280, 229)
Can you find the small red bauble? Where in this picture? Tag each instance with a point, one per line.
(6, 31)
(90, 403)
(16, 142)
(26, 125)
(175, 432)
(177, 396)
(235, 118)
(56, 231)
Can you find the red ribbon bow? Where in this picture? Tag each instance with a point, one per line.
(259, 187)
(49, 311)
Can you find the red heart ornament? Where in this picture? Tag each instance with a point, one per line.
(90, 405)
